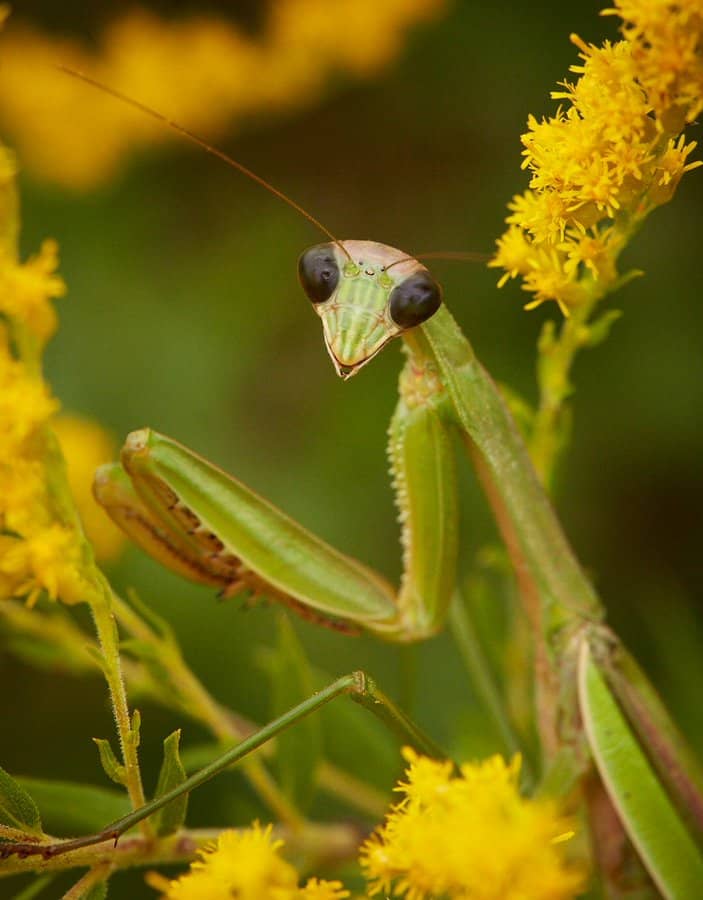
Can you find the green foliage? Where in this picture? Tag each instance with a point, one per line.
(17, 808)
(114, 770)
(171, 817)
(298, 749)
(67, 807)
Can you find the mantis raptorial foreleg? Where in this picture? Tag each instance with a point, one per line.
(212, 529)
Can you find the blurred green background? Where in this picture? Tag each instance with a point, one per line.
(184, 313)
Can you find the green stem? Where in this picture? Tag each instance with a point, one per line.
(106, 629)
(200, 705)
(357, 684)
(482, 679)
(325, 842)
(555, 360)
(97, 875)
(367, 693)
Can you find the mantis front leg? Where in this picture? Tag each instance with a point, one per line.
(212, 529)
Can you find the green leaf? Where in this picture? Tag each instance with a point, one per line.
(652, 822)
(17, 809)
(172, 774)
(599, 330)
(35, 887)
(113, 769)
(298, 749)
(71, 808)
(159, 625)
(97, 892)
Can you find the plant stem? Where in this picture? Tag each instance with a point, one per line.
(98, 874)
(326, 842)
(106, 629)
(482, 679)
(357, 684)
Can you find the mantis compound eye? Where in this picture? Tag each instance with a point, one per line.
(414, 300)
(318, 272)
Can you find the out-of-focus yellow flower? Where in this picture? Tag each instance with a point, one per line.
(202, 71)
(26, 291)
(605, 161)
(470, 836)
(86, 445)
(41, 544)
(247, 865)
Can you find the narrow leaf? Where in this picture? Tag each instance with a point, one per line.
(113, 769)
(35, 887)
(172, 774)
(17, 808)
(70, 808)
(662, 841)
(159, 625)
(298, 749)
(96, 892)
(600, 329)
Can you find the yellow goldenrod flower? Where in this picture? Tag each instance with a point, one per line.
(322, 890)
(42, 548)
(667, 55)
(85, 446)
(247, 865)
(202, 71)
(607, 158)
(26, 291)
(470, 836)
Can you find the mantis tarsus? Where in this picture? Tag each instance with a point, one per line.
(210, 528)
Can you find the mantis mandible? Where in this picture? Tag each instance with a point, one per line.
(212, 529)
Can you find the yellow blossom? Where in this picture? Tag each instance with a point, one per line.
(322, 890)
(667, 52)
(85, 446)
(605, 160)
(470, 835)
(247, 865)
(203, 71)
(26, 291)
(42, 548)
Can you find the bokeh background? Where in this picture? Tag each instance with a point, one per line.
(184, 313)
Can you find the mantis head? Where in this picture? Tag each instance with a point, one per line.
(362, 304)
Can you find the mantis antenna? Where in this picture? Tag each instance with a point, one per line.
(458, 255)
(189, 135)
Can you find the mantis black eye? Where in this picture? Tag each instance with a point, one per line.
(414, 300)
(318, 272)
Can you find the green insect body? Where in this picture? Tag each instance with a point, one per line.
(210, 528)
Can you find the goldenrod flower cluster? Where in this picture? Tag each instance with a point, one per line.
(470, 836)
(202, 71)
(246, 865)
(608, 157)
(41, 543)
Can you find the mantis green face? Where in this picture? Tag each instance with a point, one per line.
(362, 304)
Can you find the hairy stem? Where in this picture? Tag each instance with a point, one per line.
(200, 705)
(106, 629)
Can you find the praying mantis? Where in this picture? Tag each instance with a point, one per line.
(210, 528)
